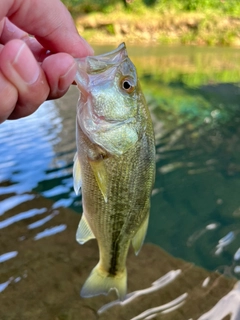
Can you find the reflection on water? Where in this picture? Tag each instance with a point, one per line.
(11, 202)
(21, 216)
(156, 285)
(8, 255)
(163, 309)
(194, 99)
(50, 231)
(27, 149)
(229, 305)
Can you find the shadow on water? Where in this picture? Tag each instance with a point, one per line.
(195, 214)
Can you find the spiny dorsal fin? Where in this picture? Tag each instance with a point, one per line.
(100, 174)
(139, 237)
(77, 177)
(84, 232)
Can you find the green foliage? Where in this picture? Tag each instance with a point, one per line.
(208, 22)
(85, 6)
(226, 6)
(193, 5)
(110, 29)
(230, 7)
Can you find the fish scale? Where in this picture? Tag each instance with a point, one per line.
(116, 164)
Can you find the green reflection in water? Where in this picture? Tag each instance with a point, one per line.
(194, 97)
(193, 94)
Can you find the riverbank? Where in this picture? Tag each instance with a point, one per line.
(175, 28)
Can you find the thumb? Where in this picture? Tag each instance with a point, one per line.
(49, 21)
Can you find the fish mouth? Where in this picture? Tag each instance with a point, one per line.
(103, 128)
(110, 58)
(93, 65)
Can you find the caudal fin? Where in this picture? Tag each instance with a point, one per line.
(100, 282)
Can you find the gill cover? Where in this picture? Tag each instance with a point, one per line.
(107, 110)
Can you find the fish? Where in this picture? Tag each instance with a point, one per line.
(114, 166)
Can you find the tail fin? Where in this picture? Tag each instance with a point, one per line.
(100, 282)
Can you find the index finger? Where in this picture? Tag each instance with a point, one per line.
(49, 21)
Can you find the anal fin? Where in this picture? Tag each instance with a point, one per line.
(100, 174)
(84, 232)
(139, 237)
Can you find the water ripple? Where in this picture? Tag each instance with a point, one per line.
(27, 147)
(14, 201)
(62, 203)
(163, 309)
(229, 305)
(55, 191)
(4, 285)
(41, 222)
(50, 231)
(237, 255)
(8, 255)
(20, 216)
(224, 242)
(156, 285)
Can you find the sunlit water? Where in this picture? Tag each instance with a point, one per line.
(194, 98)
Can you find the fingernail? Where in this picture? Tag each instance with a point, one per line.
(26, 65)
(64, 80)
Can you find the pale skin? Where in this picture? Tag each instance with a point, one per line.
(37, 67)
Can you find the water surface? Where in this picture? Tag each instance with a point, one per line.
(194, 97)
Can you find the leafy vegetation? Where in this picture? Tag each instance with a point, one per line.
(84, 6)
(201, 22)
(228, 7)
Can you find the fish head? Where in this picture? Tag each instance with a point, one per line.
(108, 107)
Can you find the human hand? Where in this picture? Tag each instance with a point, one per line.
(39, 67)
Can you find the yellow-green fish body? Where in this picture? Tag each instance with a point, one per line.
(115, 165)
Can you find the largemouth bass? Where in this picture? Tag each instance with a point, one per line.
(114, 165)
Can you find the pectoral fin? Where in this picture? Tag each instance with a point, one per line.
(100, 174)
(84, 232)
(77, 178)
(139, 237)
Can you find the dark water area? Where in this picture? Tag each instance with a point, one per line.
(194, 98)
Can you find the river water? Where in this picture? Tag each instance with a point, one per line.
(194, 98)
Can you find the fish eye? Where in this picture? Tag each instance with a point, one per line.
(127, 86)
